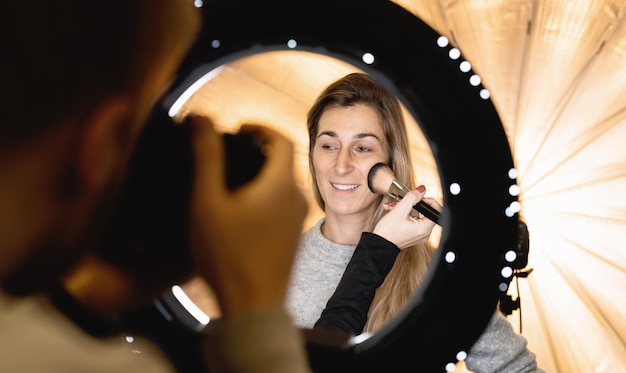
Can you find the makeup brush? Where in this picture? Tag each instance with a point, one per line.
(381, 180)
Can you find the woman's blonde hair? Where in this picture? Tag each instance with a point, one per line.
(412, 263)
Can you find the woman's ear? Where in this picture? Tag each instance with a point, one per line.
(105, 144)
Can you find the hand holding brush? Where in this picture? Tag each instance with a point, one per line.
(381, 180)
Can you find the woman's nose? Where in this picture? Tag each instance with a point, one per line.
(344, 161)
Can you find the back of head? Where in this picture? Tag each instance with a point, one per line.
(61, 57)
(63, 142)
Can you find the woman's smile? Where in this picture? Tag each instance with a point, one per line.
(345, 186)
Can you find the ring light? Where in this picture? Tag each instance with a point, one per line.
(470, 270)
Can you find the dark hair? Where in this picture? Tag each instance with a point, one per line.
(62, 56)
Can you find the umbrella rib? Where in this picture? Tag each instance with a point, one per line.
(614, 121)
(584, 296)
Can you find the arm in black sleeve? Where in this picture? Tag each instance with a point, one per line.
(347, 309)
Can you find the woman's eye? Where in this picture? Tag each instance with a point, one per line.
(329, 146)
(363, 149)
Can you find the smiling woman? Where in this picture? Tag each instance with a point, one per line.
(277, 88)
(290, 48)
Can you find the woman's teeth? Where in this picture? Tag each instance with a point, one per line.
(345, 186)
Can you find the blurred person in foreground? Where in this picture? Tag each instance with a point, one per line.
(80, 81)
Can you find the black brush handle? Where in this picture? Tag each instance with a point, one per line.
(427, 211)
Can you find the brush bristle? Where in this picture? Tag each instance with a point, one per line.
(379, 178)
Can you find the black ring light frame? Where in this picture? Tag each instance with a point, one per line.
(469, 272)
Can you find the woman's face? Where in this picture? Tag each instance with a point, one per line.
(350, 140)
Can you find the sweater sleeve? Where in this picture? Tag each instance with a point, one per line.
(264, 341)
(500, 349)
(347, 309)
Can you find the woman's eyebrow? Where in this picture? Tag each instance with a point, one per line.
(358, 135)
(327, 133)
(366, 134)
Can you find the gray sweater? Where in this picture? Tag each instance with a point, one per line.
(317, 270)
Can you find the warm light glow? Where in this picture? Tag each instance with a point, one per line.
(276, 89)
(189, 305)
(184, 97)
(556, 72)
